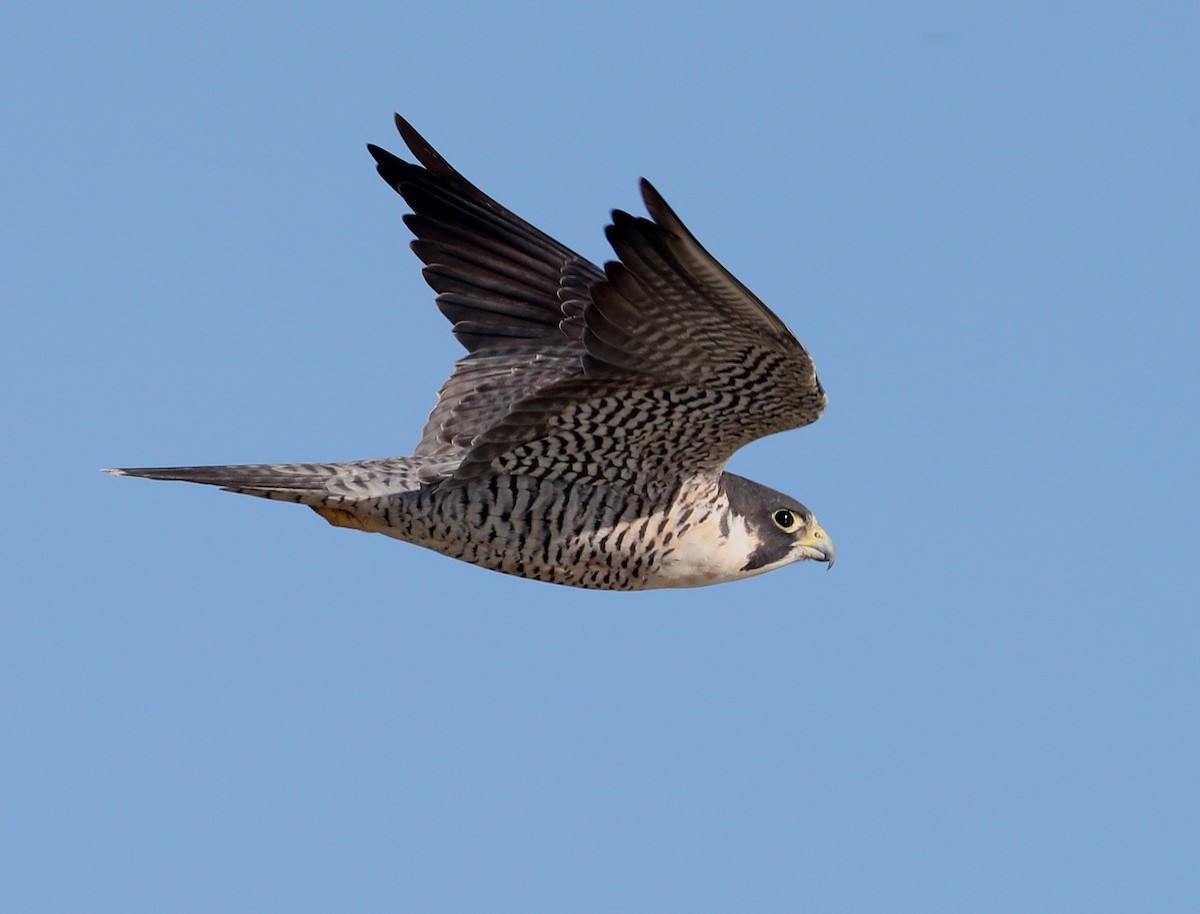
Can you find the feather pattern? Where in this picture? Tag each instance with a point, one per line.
(582, 438)
(663, 359)
(514, 295)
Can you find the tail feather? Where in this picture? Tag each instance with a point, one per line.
(311, 484)
(305, 483)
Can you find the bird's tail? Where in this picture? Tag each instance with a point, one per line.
(313, 484)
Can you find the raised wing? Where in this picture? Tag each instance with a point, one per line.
(683, 365)
(657, 368)
(516, 296)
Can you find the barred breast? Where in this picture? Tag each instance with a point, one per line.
(589, 536)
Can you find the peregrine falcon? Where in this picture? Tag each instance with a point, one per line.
(582, 439)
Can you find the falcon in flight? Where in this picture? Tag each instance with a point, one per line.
(583, 438)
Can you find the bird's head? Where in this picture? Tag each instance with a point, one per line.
(780, 529)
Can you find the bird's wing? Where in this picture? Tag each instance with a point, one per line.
(683, 365)
(516, 296)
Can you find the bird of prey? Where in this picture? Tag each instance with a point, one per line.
(582, 439)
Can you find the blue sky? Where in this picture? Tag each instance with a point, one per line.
(981, 219)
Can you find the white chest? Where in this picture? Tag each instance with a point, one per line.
(709, 552)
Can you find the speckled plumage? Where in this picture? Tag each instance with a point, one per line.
(583, 438)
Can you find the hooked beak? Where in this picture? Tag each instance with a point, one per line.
(816, 544)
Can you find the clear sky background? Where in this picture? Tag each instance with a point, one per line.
(982, 219)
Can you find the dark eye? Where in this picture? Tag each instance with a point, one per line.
(785, 520)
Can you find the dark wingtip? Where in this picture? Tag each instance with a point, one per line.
(620, 217)
(659, 211)
(424, 152)
(390, 167)
(650, 195)
(395, 170)
(408, 132)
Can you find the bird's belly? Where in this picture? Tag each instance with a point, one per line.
(581, 536)
(594, 537)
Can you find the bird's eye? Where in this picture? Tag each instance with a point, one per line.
(785, 520)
